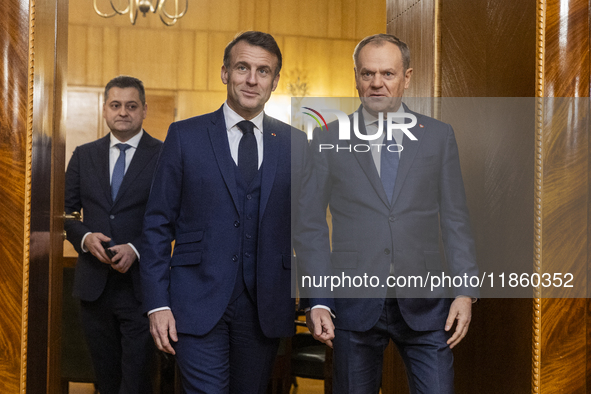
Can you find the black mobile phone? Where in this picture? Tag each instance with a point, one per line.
(108, 251)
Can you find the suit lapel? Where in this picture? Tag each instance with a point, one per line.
(218, 136)
(100, 160)
(269, 168)
(366, 162)
(142, 156)
(408, 154)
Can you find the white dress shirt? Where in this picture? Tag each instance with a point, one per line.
(371, 125)
(234, 135)
(114, 153)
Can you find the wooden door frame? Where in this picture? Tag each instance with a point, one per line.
(35, 36)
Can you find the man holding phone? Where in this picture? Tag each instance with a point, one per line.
(109, 181)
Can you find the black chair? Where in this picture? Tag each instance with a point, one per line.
(311, 359)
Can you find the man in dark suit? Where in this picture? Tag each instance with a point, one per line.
(109, 180)
(222, 192)
(388, 205)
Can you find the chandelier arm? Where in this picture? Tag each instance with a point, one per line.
(102, 14)
(166, 14)
(133, 10)
(122, 12)
(171, 23)
(133, 13)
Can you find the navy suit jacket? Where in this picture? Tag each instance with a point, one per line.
(194, 202)
(369, 233)
(88, 189)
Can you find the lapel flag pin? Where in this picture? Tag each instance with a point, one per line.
(274, 135)
(421, 126)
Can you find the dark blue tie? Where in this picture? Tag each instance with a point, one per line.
(118, 170)
(389, 164)
(248, 159)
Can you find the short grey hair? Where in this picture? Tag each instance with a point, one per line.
(379, 40)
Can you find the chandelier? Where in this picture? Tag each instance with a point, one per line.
(132, 7)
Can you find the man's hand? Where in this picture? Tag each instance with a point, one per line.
(163, 327)
(124, 257)
(460, 310)
(320, 324)
(92, 243)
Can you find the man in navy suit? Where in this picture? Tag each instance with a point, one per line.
(109, 180)
(388, 205)
(222, 192)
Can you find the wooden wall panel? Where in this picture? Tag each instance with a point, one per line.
(342, 69)
(47, 196)
(563, 195)
(158, 66)
(369, 18)
(196, 103)
(247, 16)
(110, 49)
(487, 50)
(263, 10)
(200, 62)
(84, 121)
(414, 23)
(14, 226)
(484, 49)
(463, 49)
(161, 113)
(188, 56)
(348, 19)
(215, 55)
(335, 19)
(77, 60)
(224, 15)
(94, 55)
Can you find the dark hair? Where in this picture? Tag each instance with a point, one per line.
(257, 39)
(124, 81)
(379, 40)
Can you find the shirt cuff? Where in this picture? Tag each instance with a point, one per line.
(320, 307)
(474, 299)
(82, 243)
(164, 308)
(135, 250)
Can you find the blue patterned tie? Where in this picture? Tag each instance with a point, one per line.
(119, 170)
(248, 159)
(389, 165)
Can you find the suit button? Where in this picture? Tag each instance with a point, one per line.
(249, 197)
(392, 218)
(248, 236)
(247, 254)
(236, 223)
(386, 251)
(235, 258)
(112, 217)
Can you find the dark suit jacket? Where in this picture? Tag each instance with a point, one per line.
(88, 189)
(194, 202)
(369, 233)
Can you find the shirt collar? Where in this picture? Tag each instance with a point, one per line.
(369, 118)
(232, 118)
(133, 141)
